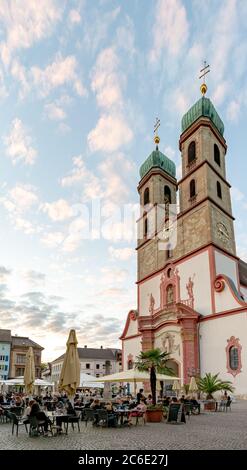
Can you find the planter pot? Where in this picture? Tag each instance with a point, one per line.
(209, 406)
(154, 416)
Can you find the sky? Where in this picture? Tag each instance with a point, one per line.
(81, 84)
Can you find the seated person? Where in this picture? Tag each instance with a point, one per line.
(195, 404)
(27, 412)
(139, 410)
(62, 419)
(40, 416)
(112, 419)
(166, 401)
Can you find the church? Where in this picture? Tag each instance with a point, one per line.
(192, 295)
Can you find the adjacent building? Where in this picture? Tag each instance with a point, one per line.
(93, 361)
(5, 347)
(19, 348)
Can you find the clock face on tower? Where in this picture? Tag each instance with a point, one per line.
(222, 232)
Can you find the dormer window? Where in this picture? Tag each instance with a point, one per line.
(191, 152)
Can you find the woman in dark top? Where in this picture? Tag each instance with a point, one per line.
(40, 416)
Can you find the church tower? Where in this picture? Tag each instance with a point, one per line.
(157, 189)
(204, 192)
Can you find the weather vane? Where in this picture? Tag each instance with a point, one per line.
(156, 127)
(204, 71)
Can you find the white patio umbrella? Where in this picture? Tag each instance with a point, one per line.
(20, 381)
(134, 375)
(88, 381)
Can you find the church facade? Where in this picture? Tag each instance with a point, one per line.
(191, 297)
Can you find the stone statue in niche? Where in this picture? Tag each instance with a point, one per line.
(151, 304)
(170, 295)
(169, 345)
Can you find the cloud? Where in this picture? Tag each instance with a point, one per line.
(34, 277)
(62, 71)
(19, 144)
(20, 199)
(54, 112)
(122, 254)
(90, 183)
(97, 27)
(110, 133)
(4, 273)
(19, 72)
(112, 130)
(25, 24)
(170, 29)
(74, 17)
(58, 211)
(52, 239)
(233, 110)
(106, 79)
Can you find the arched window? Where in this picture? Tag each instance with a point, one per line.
(145, 226)
(216, 154)
(130, 364)
(233, 358)
(146, 196)
(191, 152)
(219, 192)
(167, 195)
(169, 294)
(192, 189)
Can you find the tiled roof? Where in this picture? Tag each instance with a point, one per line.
(5, 336)
(26, 342)
(242, 272)
(95, 353)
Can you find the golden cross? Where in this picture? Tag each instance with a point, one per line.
(156, 127)
(204, 71)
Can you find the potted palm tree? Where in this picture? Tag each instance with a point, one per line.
(211, 384)
(154, 361)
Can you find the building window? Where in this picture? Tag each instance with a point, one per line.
(97, 375)
(191, 152)
(192, 189)
(20, 359)
(216, 154)
(146, 196)
(167, 195)
(97, 366)
(219, 191)
(20, 371)
(233, 358)
(130, 364)
(87, 366)
(145, 226)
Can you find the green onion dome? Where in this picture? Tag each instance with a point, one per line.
(203, 107)
(158, 160)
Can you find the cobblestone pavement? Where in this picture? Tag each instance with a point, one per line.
(206, 431)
